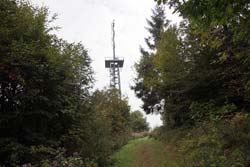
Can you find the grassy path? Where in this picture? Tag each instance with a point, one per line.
(144, 152)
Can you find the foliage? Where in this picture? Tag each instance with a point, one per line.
(61, 161)
(156, 25)
(221, 143)
(137, 122)
(147, 81)
(115, 113)
(45, 102)
(47, 115)
(221, 63)
(221, 23)
(199, 62)
(202, 72)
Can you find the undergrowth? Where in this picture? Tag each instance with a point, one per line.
(224, 143)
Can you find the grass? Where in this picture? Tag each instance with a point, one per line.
(125, 157)
(144, 152)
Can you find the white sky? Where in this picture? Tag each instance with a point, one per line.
(89, 22)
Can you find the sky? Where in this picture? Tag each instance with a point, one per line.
(89, 22)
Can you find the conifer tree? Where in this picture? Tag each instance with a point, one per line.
(146, 81)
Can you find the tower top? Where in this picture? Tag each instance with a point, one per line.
(113, 37)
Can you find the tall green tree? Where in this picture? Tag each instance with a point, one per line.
(43, 84)
(173, 67)
(146, 81)
(221, 64)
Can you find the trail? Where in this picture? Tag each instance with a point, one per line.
(144, 152)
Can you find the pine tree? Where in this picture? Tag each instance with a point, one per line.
(146, 81)
(156, 26)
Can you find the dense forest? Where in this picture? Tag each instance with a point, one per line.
(200, 68)
(49, 113)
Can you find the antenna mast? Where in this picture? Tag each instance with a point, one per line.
(113, 37)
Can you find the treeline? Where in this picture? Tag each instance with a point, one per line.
(48, 115)
(201, 69)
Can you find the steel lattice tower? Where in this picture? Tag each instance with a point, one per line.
(114, 64)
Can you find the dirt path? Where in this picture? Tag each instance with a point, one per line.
(146, 156)
(144, 152)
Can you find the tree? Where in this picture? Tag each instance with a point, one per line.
(146, 81)
(156, 26)
(173, 67)
(44, 82)
(115, 112)
(138, 122)
(219, 68)
(210, 86)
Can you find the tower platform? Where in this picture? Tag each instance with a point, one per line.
(117, 62)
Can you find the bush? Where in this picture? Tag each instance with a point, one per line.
(62, 160)
(211, 144)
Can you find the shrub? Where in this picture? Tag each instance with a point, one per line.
(211, 144)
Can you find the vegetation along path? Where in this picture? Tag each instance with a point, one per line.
(144, 152)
